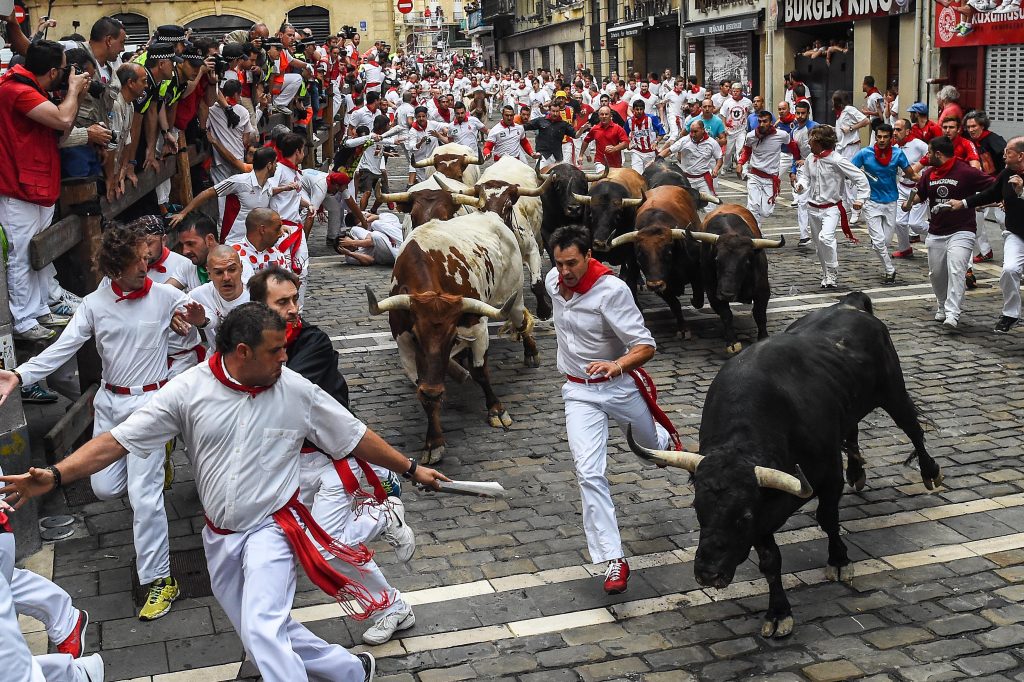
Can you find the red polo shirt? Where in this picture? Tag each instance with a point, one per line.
(607, 135)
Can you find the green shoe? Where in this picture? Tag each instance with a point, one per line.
(168, 464)
(162, 594)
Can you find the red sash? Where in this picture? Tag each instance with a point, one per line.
(649, 392)
(708, 180)
(776, 183)
(348, 479)
(291, 244)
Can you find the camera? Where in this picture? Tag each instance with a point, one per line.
(96, 89)
(348, 32)
(220, 64)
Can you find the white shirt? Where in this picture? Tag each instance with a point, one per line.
(824, 179)
(131, 336)
(602, 324)
(288, 204)
(467, 132)
(393, 98)
(735, 113)
(914, 148)
(257, 260)
(765, 152)
(360, 116)
(699, 158)
(875, 103)
(241, 194)
(537, 102)
(231, 139)
(508, 141)
(415, 135)
(186, 274)
(650, 102)
(674, 104)
(717, 99)
(244, 451)
(849, 117)
(172, 264)
(216, 307)
(404, 113)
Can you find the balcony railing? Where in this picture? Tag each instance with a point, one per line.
(498, 8)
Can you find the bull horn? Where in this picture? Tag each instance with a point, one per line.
(627, 238)
(769, 243)
(471, 160)
(710, 198)
(398, 302)
(540, 176)
(390, 196)
(473, 306)
(582, 198)
(594, 177)
(706, 237)
(535, 191)
(672, 458)
(678, 234)
(631, 203)
(466, 200)
(423, 163)
(787, 483)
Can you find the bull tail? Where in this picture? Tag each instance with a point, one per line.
(858, 300)
(508, 329)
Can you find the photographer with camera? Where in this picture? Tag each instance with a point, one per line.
(80, 150)
(229, 126)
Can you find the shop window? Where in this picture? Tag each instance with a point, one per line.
(136, 27)
(316, 19)
(1003, 103)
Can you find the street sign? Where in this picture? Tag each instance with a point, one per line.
(362, 25)
(19, 14)
(404, 6)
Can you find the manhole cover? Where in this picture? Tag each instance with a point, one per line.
(79, 493)
(56, 521)
(54, 534)
(188, 567)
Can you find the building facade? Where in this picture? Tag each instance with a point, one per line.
(539, 34)
(725, 40)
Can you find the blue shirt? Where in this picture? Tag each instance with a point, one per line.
(714, 127)
(882, 179)
(752, 121)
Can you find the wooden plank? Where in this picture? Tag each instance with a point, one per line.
(61, 439)
(148, 180)
(54, 241)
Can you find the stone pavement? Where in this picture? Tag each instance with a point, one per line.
(503, 589)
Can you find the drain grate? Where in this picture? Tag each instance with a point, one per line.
(188, 567)
(79, 493)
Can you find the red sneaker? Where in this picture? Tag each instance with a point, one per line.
(616, 577)
(905, 253)
(983, 257)
(74, 644)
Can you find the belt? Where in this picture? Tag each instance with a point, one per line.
(813, 205)
(908, 184)
(134, 390)
(577, 380)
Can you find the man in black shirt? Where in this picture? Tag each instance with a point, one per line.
(1008, 188)
(551, 129)
(990, 151)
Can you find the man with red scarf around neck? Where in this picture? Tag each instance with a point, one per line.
(762, 148)
(128, 317)
(334, 489)
(951, 227)
(700, 158)
(601, 337)
(243, 417)
(290, 205)
(881, 164)
(828, 177)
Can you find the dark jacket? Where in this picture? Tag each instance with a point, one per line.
(313, 356)
(1003, 191)
(549, 135)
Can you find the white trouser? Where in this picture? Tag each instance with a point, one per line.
(19, 665)
(587, 409)
(914, 221)
(675, 125)
(733, 147)
(253, 578)
(569, 151)
(982, 245)
(849, 190)
(701, 185)
(800, 201)
(322, 492)
(948, 260)
(823, 223)
(27, 288)
(759, 197)
(141, 475)
(289, 88)
(1009, 280)
(881, 221)
(640, 160)
(334, 204)
(44, 600)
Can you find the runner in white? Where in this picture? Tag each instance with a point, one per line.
(734, 111)
(762, 148)
(801, 130)
(914, 222)
(849, 121)
(700, 158)
(223, 293)
(289, 202)
(422, 140)
(508, 139)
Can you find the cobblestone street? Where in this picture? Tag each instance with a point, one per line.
(503, 589)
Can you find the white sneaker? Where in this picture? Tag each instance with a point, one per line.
(950, 321)
(388, 624)
(92, 666)
(398, 534)
(1007, 7)
(940, 315)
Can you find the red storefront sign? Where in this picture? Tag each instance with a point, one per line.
(989, 26)
(810, 12)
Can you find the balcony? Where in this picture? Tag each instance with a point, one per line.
(491, 9)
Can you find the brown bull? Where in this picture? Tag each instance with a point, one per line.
(424, 205)
(666, 258)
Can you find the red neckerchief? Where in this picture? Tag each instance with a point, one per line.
(871, 91)
(701, 139)
(286, 163)
(595, 270)
(292, 332)
(984, 134)
(232, 101)
(417, 127)
(787, 119)
(131, 295)
(695, 89)
(883, 156)
(823, 154)
(942, 171)
(217, 367)
(159, 264)
(638, 121)
(759, 136)
(647, 96)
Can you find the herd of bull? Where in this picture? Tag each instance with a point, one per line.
(778, 418)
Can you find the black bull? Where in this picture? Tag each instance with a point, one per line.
(776, 422)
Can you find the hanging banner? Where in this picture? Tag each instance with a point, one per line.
(980, 22)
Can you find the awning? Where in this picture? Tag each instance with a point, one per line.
(483, 28)
(631, 29)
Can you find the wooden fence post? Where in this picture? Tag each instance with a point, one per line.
(81, 198)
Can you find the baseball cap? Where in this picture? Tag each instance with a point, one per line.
(561, 93)
(918, 108)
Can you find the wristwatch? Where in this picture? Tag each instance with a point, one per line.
(412, 470)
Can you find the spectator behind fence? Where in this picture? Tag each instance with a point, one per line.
(132, 80)
(30, 175)
(80, 151)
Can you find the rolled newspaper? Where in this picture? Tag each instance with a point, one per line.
(470, 488)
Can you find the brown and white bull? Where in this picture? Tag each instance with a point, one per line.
(455, 161)
(734, 267)
(449, 278)
(662, 252)
(526, 218)
(428, 200)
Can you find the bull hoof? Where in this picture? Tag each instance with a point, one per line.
(544, 312)
(686, 334)
(733, 349)
(501, 420)
(776, 628)
(433, 455)
(856, 483)
(531, 360)
(838, 574)
(932, 483)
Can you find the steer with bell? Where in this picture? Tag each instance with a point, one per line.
(777, 420)
(449, 278)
